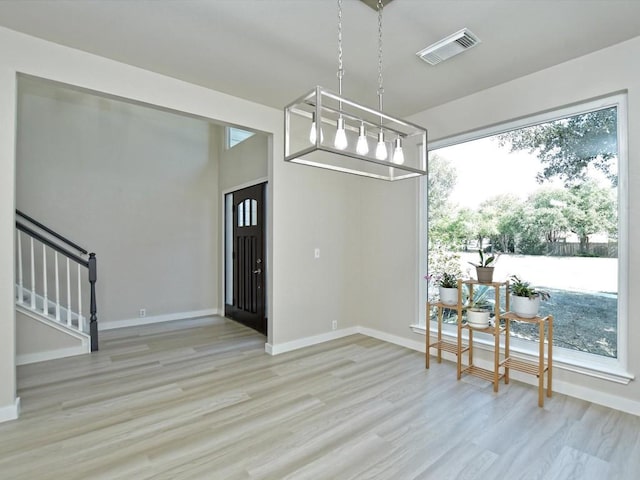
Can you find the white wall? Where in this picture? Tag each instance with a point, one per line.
(244, 163)
(390, 249)
(136, 185)
(322, 209)
(37, 341)
(601, 73)
(8, 403)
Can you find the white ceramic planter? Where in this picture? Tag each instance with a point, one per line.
(478, 318)
(525, 307)
(448, 296)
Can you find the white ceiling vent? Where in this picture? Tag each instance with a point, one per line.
(449, 47)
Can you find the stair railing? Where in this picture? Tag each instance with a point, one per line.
(38, 285)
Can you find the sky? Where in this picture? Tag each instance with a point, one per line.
(486, 170)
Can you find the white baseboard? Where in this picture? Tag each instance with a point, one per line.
(396, 340)
(598, 397)
(85, 338)
(135, 322)
(52, 354)
(10, 412)
(308, 341)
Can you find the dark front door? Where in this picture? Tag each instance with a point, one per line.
(248, 259)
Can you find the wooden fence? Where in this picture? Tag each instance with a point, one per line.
(572, 249)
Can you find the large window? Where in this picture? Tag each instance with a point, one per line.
(547, 195)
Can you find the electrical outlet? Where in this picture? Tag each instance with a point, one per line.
(334, 325)
(142, 313)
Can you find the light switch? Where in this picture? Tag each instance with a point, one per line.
(316, 253)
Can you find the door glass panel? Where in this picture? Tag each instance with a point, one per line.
(247, 213)
(241, 215)
(228, 249)
(254, 212)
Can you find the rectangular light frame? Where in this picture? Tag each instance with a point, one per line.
(327, 107)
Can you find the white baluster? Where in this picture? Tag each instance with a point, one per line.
(68, 293)
(33, 277)
(20, 279)
(80, 325)
(57, 289)
(45, 302)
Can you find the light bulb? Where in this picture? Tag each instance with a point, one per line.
(381, 148)
(398, 154)
(312, 133)
(340, 142)
(363, 146)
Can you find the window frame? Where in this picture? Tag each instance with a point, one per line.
(613, 369)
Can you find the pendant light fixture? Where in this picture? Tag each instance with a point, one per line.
(356, 127)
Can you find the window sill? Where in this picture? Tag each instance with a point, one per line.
(564, 359)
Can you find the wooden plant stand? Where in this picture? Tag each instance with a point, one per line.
(502, 367)
(496, 330)
(529, 367)
(440, 344)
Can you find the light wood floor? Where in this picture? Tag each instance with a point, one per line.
(201, 399)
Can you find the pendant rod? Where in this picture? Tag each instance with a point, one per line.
(380, 77)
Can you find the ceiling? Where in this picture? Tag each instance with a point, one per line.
(272, 51)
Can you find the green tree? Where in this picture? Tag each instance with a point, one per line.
(440, 183)
(499, 214)
(591, 209)
(567, 147)
(495, 221)
(530, 236)
(547, 213)
(509, 227)
(444, 225)
(484, 225)
(454, 229)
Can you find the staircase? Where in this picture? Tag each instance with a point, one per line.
(55, 281)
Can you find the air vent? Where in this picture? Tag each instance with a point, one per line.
(449, 47)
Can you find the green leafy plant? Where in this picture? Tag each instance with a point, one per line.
(448, 280)
(445, 280)
(520, 288)
(480, 305)
(480, 300)
(485, 261)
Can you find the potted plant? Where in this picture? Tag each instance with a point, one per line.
(478, 315)
(484, 269)
(525, 299)
(448, 288)
(479, 310)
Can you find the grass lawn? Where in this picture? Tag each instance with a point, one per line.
(581, 321)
